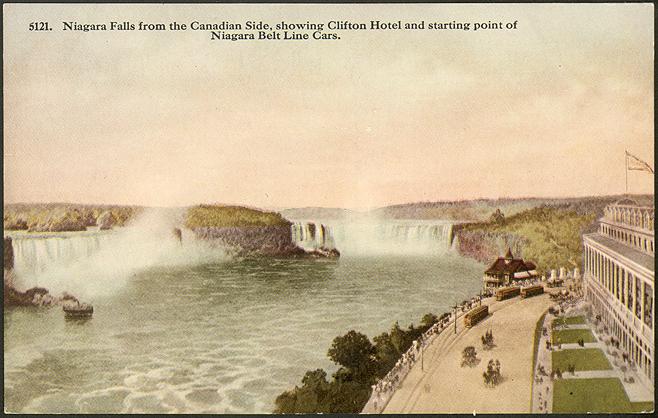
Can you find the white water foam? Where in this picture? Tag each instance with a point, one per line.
(372, 237)
(91, 265)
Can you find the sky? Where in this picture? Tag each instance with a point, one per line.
(375, 118)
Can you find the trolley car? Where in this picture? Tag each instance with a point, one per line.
(476, 315)
(508, 292)
(529, 291)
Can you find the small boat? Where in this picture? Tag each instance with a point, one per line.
(78, 310)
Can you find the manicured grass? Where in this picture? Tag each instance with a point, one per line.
(584, 359)
(571, 336)
(601, 395)
(571, 320)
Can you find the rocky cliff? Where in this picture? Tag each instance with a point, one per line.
(266, 240)
(274, 240)
(8, 251)
(485, 247)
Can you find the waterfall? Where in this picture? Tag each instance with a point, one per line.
(410, 233)
(99, 263)
(34, 253)
(375, 237)
(312, 236)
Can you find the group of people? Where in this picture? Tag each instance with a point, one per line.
(543, 403)
(568, 301)
(385, 388)
(543, 393)
(543, 386)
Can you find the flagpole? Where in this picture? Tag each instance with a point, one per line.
(626, 156)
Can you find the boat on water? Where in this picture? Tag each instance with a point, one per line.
(78, 310)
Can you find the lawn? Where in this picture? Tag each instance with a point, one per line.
(584, 359)
(602, 395)
(571, 320)
(571, 336)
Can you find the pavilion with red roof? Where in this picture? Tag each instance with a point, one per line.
(507, 270)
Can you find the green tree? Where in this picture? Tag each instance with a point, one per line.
(286, 402)
(355, 352)
(348, 397)
(399, 338)
(310, 398)
(386, 354)
(428, 320)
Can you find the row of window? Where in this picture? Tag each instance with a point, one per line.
(634, 240)
(629, 290)
(639, 352)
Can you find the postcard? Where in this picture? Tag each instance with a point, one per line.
(328, 208)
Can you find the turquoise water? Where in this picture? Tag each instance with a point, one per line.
(217, 338)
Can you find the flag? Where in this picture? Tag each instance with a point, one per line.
(634, 163)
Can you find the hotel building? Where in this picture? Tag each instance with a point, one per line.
(619, 279)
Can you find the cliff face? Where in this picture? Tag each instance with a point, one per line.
(257, 240)
(8, 250)
(485, 247)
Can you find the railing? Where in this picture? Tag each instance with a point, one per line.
(383, 391)
(385, 388)
(636, 216)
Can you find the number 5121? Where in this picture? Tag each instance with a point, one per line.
(39, 26)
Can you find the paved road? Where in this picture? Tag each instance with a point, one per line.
(446, 387)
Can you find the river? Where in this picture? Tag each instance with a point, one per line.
(218, 336)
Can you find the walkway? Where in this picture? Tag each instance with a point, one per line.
(542, 387)
(445, 387)
(636, 392)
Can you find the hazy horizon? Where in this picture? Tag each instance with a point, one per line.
(372, 120)
(279, 208)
